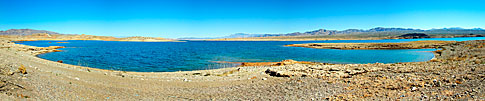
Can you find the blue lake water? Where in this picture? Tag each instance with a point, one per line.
(198, 55)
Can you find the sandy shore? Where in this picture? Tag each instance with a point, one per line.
(47, 80)
(457, 73)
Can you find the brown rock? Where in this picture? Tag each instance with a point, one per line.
(289, 61)
(22, 69)
(458, 82)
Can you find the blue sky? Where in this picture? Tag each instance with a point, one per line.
(208, 18)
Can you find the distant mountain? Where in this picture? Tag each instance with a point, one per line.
(323, 32)
(319, 32)
(237, 35)
(478, 29)
(348, 31)
(23, 32)
(31, 35)
(242, 35)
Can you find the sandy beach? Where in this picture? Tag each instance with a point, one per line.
(457, 72)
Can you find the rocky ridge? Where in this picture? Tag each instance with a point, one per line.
(33, 35)
(394, 31)
(24, 32)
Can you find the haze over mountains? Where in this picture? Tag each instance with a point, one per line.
(320, 32)
(32, 35)
(324, 32)
(26, 32)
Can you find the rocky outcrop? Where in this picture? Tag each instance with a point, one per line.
(413, 36)
(320, 70)
(35, 50)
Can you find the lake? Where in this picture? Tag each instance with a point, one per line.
(199, 55)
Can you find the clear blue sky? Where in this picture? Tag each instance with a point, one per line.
(207, 18)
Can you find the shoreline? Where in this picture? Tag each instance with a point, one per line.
(289, 38)
(375, 46)
(47, 79)
(177, 80)
(96, 69)
(21, 40)
(241, 64)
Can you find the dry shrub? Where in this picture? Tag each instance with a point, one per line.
(22, 69)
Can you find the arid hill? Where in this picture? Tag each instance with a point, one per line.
(32, 35)
(356, 34)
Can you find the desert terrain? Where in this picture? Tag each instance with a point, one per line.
(457, 72)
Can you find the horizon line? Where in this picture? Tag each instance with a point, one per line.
(264, 33)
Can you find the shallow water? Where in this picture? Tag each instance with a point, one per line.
(197, 55)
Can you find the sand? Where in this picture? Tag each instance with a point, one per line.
(49, 80)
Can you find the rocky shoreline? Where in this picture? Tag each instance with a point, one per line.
(406, 45)
(457, 72)
(334, 37)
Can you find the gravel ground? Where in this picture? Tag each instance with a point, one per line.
(457, 72)
(48, 80)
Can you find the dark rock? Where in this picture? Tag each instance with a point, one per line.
(414, 36)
